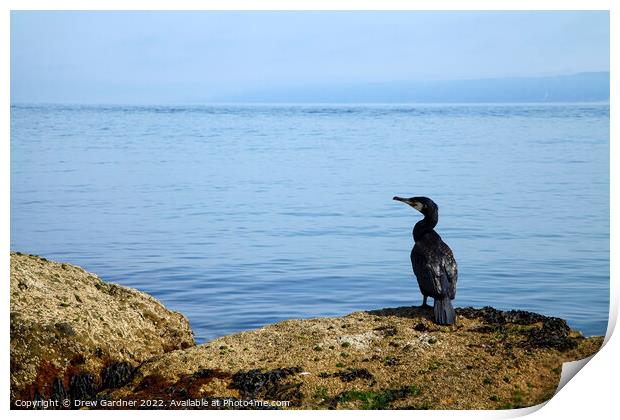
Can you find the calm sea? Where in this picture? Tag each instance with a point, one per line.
(240, 216)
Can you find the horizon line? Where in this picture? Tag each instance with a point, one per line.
(306, 103)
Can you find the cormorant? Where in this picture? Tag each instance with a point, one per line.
(432, 260)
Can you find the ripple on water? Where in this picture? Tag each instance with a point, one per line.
(239, 216)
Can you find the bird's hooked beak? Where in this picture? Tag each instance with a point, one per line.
(413, 203)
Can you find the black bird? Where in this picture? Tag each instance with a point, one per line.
(432, 260)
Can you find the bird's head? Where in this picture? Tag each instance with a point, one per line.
(422, 204)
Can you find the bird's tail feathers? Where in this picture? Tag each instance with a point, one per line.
(444, 312)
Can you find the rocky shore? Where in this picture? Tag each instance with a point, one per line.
(89, 344)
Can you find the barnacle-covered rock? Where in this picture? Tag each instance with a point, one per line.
(73, 334)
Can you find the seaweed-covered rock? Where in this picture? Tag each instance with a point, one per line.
(72, 333)
(547, 332)
(495, 316)
(116, 374)
(269, 384)
(82, 386)
(350, 374)
(389, 358)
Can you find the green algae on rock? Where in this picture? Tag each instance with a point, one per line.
(73, 334)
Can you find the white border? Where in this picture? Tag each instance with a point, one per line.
(311, 5)
(591, 394)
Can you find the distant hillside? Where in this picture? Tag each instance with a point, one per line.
(581, 87)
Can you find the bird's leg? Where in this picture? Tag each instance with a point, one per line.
(424, 304)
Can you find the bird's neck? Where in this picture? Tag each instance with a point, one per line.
(424, 226)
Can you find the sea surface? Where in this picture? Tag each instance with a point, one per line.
(243, 215)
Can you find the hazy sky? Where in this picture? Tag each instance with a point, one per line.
(179, 57)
